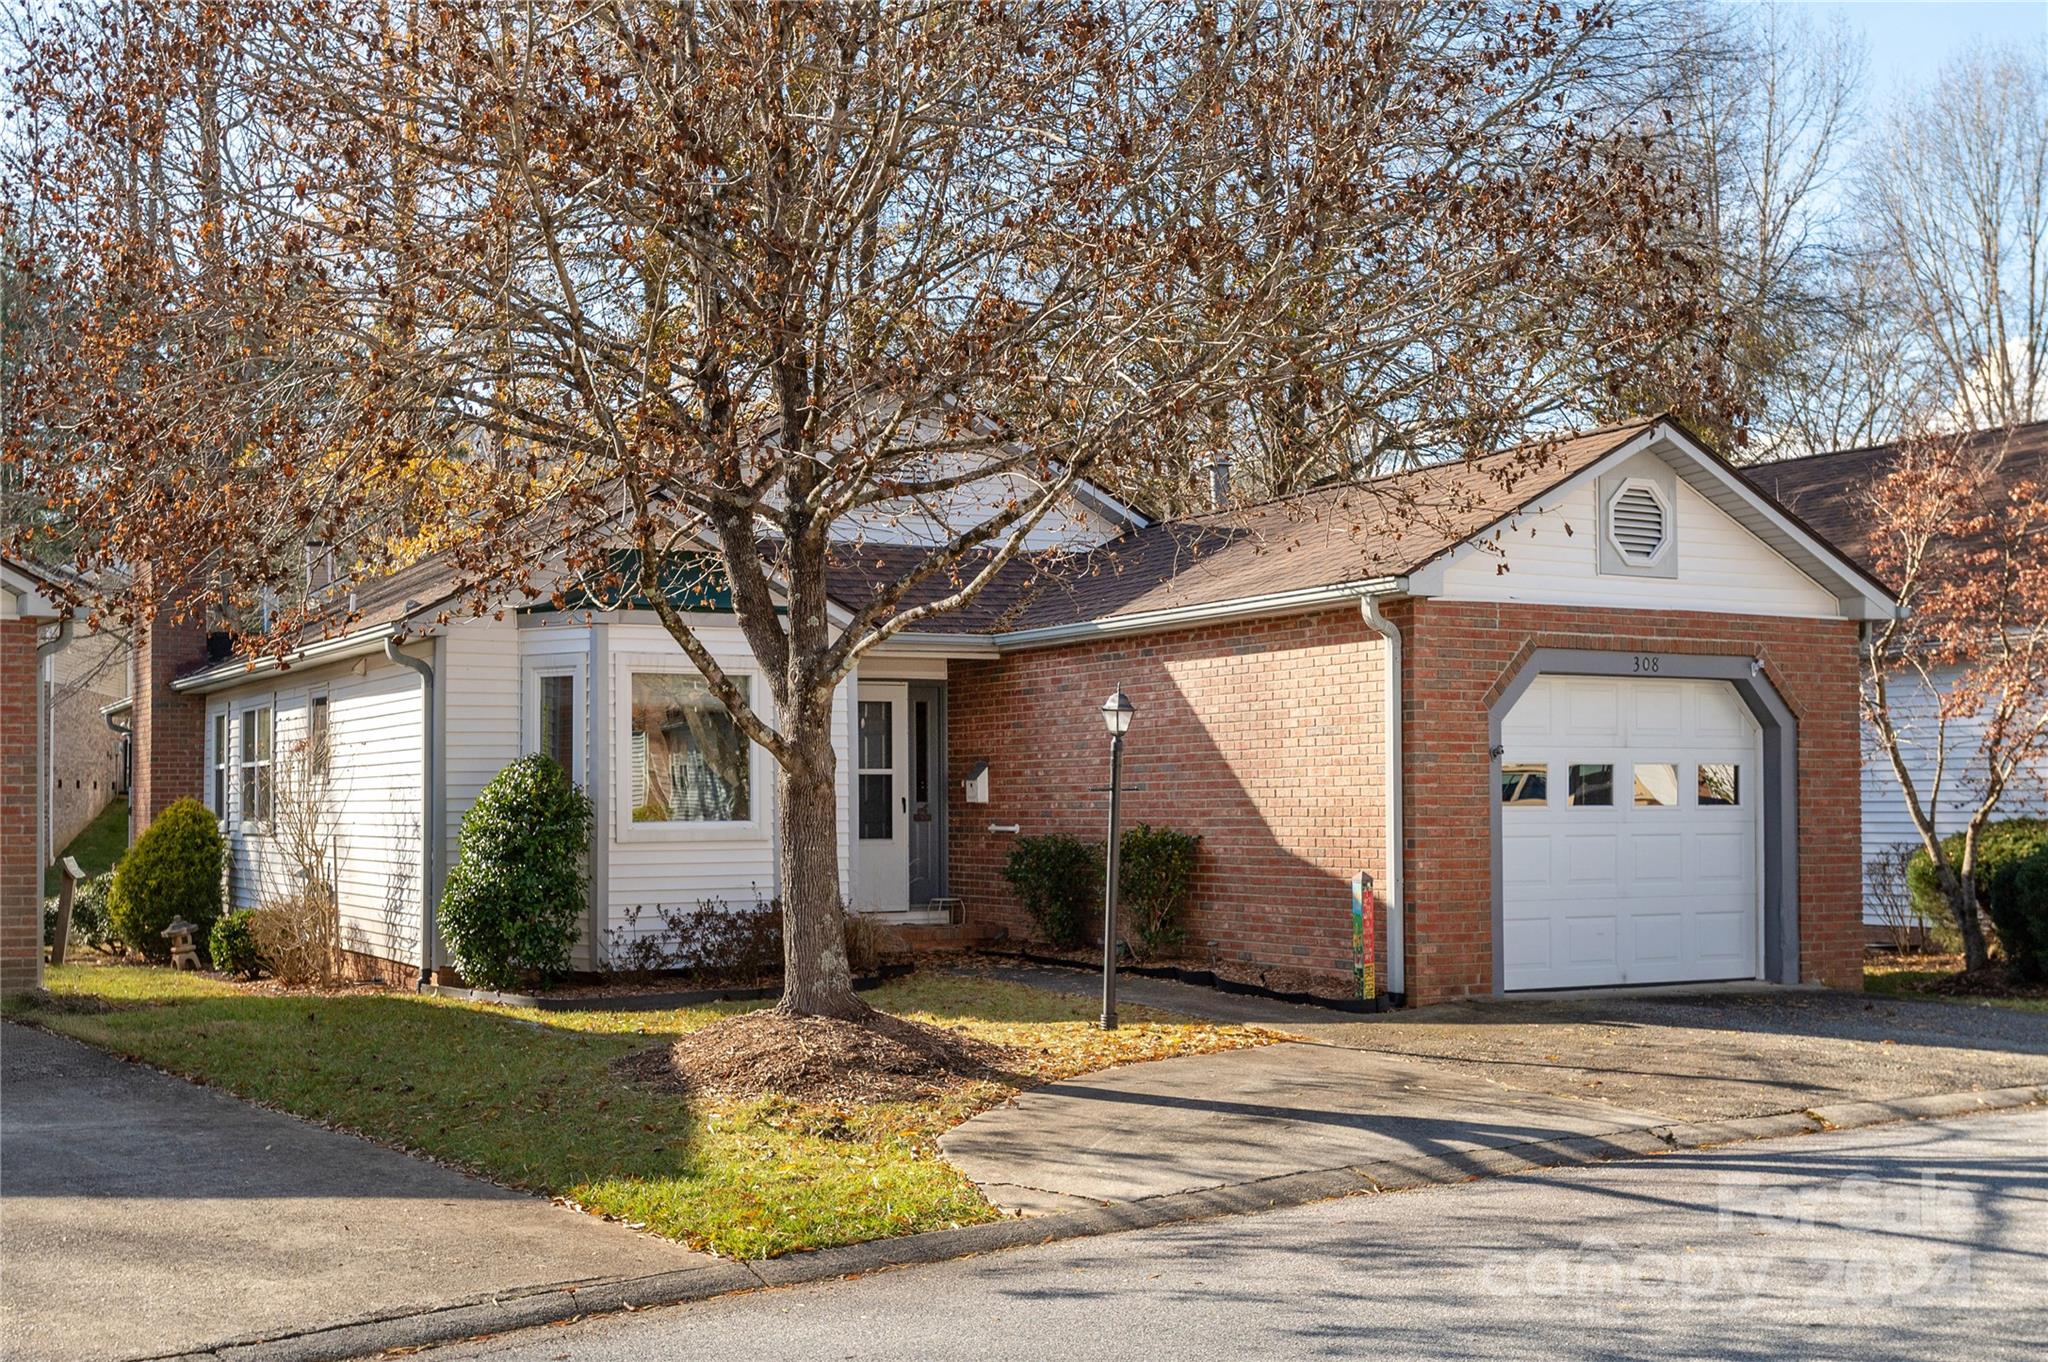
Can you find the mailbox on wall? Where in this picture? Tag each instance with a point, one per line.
(977, 783)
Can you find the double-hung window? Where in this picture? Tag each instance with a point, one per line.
(255, 764)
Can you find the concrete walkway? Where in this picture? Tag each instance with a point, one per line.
(1418, 1096)
(142, 1215)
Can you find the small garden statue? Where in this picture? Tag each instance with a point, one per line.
(184, 952)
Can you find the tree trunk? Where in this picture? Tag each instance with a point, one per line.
(1960, 885)
(816, 980)
(1961, 892)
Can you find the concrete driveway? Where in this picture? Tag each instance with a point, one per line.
(142, 1215)
(1421, 1096)
(1922, 1243)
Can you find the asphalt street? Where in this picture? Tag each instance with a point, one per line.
(1922, 1241)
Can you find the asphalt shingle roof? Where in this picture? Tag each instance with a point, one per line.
(1831, 492)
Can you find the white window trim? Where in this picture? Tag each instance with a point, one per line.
(759, 777)
(1663, 504)
(559, 664)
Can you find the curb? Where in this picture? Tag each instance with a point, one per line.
(362, 1338)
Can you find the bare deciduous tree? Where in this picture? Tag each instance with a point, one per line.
(1954, 200)
(1962, 546)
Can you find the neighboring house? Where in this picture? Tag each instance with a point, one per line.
(1625, 747)
(82, 680)
(85, 758)
(1831, 493)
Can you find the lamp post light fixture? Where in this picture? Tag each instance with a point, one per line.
(1117, 713)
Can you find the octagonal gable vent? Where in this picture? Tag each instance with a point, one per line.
(1639, 522)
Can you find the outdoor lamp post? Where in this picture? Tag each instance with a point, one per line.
(1117, 713)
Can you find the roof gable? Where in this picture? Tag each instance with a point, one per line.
(1858, 594)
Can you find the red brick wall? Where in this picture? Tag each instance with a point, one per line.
(21, 900)
(170, 729)
(1262, 736)
(1459, 657)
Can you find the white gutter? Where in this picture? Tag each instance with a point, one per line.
(327, 650)
(430, 804)
(938, 645)
(1244, 607)
(1390, 889)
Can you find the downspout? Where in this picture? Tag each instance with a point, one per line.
(430, 805)
(1391, 890)
(45, 784)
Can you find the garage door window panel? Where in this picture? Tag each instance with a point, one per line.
(1656, 785)
(1720, 784)
(1524, 785)
(1591, 785)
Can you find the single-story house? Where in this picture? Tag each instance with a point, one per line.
(1585, 714)
(1831, 492)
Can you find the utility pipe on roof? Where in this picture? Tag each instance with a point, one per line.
(430, 805)
(1391, 889)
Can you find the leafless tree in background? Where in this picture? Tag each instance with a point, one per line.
(1765, 101)
(1954, 203)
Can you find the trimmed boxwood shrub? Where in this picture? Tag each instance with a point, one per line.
(2019, 909)
(232, 944)
(1059, 881)
(517, 893)
(172, 871)
(2001, 846)
(1155, 883)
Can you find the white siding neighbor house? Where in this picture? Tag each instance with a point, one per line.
(1829, 492)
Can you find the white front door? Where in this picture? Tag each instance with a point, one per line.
(1630, 817)
(881, 799)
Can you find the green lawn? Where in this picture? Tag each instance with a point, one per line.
(1912, 976)
(97, 846)
(525, 1098)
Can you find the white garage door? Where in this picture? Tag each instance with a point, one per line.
(1630, 850)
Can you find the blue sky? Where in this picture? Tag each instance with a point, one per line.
(1909, 39)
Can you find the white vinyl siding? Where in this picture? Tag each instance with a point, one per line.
(1886, 823)
(373, 801)
(1550, 557)
(680, 865)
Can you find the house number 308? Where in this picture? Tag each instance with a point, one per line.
(1647, 663)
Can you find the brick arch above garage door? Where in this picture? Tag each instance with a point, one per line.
(1459, 658)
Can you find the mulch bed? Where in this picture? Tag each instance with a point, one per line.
(1993, 981)
(817, 1059)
